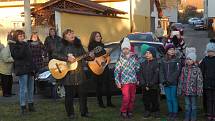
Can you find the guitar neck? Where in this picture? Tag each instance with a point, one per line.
(81, 57)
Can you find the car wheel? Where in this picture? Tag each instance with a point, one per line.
(60, 91)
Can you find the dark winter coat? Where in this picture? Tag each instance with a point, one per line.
(149, 74)
(21, 53)
(93, 45)
(38, 51)
(77, 76)
(51, 45)
(170, 71)
(208, 71)
(191, 81)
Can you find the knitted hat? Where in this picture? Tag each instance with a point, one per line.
(152, 51)
(169, 46)
(126, 43)
(144, 48)
(191, 53)
(210, 47)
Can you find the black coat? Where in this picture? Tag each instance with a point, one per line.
(149, 74)
(208, 71)
(93, 45)
(38, 51)
(77, 76)
(51, 45)
(21, 53)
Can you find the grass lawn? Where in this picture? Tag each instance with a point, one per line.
(50, 110)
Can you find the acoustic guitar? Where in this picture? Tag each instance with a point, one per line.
(59, 68)
(98, 65)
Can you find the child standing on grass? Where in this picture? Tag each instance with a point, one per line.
(169, 74)
(126, 79)
(208, 71)
(149, 80)
(190, 85)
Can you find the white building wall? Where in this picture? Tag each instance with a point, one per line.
(58, 22)
(211, 8)
(171, 13)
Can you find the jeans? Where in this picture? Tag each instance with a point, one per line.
(128, 97)
(26, 89)
(171, 97)
(190, 108)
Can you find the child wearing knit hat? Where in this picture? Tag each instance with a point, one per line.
(170, 69)
(190, 84)
(149, 80)
(126, 78)
(208, 70)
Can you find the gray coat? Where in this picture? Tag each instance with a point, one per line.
(170, 71)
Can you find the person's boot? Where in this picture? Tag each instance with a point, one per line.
(169, 116)
(130, 114)
(156, 115)
(101, 105)
(71, 116)
(100, 102)
(124, 115)
(86, 115)
(209, 118)
(109, 103)
(175, 117)
(31, 107)
(23, 110)
(146, 115)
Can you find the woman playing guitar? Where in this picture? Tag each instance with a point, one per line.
(103, 80)
(74, 81)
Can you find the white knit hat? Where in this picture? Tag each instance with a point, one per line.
(191, 53)
(126, 43)
(210, 47)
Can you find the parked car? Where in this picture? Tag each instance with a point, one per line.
(200, 26)
(177, 27)
(47, 85)
(115, 54)
(192, 21)
(148, 36)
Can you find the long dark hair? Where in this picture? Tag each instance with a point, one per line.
(93, 36)
(17, 33)
(52, 29)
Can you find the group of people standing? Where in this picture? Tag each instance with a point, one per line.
(188, 79)
(25, 58)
